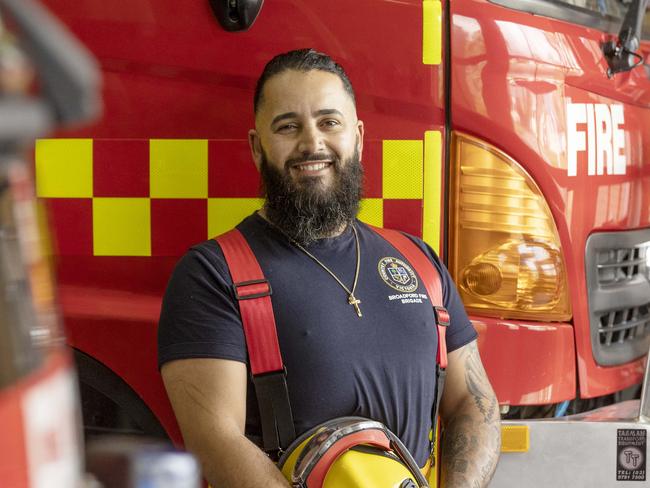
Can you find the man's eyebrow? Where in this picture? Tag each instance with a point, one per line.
(327, 111)
(318, 113)
(287, 115)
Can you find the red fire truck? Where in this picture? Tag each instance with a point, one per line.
(512, 135)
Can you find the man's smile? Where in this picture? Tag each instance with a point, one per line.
(312, 168)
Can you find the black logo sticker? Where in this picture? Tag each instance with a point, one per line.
(631, 454)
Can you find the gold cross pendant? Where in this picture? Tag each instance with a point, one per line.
(353, 301)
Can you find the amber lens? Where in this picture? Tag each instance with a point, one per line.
(505, 251)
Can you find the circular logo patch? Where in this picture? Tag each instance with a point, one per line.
(397, 274)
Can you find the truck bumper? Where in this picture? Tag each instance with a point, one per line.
(540, 355)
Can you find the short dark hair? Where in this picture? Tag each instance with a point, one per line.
(300, 60)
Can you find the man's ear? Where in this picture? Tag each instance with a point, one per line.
(360, 139)
(256, 147)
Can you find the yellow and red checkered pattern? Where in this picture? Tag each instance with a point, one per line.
(157, 197)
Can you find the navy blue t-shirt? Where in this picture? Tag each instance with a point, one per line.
(379, 366)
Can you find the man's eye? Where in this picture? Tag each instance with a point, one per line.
(330, 123)
(287, 128)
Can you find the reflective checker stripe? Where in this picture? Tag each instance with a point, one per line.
(132, 197)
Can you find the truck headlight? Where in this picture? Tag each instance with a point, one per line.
(505, 253)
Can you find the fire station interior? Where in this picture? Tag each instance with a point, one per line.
(509, 136)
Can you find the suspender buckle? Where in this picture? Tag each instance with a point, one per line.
(247, 290)
(442, 316)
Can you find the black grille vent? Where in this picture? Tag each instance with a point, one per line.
(622, 264)
(628, 324)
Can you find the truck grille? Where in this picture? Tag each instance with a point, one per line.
(622, 264)
(618, 280)
(619, 326)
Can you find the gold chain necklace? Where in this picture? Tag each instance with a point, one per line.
(352, 300)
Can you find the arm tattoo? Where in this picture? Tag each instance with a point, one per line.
(472, 440)
(485, 402)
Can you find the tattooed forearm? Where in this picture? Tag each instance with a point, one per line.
(469, 452)
(480, 390)
(472, 434)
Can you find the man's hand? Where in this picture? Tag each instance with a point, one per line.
(209, 400)
(470, 416)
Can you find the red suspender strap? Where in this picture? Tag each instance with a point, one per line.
(432, 283)
(253, 293)
(431, 279)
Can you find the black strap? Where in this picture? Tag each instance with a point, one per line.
(278, 430)
(435, 410)
(441, 320)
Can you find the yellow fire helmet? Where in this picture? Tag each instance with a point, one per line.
(350, 452)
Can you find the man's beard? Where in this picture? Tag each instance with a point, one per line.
(306, 210)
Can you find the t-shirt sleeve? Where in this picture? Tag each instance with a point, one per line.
(199, 316)
(460, 331)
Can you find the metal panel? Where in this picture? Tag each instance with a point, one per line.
(570, 452)
(618, 280)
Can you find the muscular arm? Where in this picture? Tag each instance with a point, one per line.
(209, 400)
(470, 416)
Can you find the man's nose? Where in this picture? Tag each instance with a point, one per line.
(311, 140)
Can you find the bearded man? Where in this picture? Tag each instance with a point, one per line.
(349, 349)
